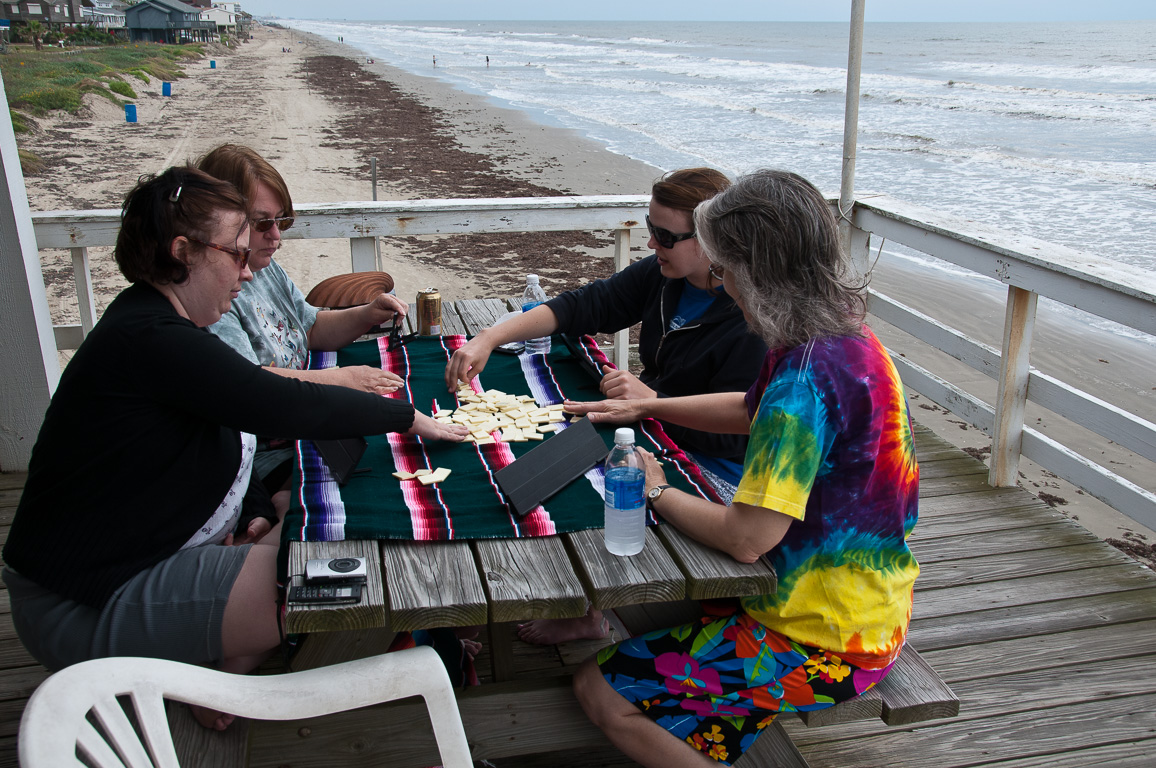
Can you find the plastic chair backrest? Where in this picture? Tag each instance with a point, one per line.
(56, 725)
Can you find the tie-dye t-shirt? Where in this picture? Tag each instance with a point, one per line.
(831, 446)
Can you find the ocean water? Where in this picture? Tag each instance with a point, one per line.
(1047, 130)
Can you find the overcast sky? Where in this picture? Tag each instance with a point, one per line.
(696, 10)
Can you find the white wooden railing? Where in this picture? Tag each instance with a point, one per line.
(1030, 268)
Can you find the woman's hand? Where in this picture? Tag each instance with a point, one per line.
(364, 378)
(608, 411)
(468, 361)
(623, 385)
(429, 429)
(653, 468)
(258, 527)
(382, 308)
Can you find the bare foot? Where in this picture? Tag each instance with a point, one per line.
(592, 626)
(211, 718)
(472, 648)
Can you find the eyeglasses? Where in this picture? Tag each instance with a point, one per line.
(241, 255)
(665, 237)
(264, 225)
(716, 270)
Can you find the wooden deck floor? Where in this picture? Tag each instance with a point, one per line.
(1047, 634)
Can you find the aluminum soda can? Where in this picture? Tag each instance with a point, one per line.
(429, 312)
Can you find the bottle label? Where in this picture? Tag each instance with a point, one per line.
(625, 488)
(528, 305)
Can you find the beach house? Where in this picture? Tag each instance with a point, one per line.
(167, 21)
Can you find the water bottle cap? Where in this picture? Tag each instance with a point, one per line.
(623, 435)
(531, 278)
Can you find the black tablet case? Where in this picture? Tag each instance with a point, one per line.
(551, 466)
(341, 455)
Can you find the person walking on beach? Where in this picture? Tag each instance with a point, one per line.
(829, 494)
(435, 59)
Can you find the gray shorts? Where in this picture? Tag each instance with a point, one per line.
(174, 610)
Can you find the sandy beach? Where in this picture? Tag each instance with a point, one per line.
(319, 111)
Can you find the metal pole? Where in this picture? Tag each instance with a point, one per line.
(373, 175)
(851, 123)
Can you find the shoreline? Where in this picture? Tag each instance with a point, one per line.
(319, 112)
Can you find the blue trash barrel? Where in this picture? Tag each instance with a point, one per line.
(130, 113)
(166, 89)
(212, 63)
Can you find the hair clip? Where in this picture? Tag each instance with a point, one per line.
(175, 196)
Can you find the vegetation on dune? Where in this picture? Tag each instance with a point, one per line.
(40, 81)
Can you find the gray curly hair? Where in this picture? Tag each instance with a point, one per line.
(776, 234)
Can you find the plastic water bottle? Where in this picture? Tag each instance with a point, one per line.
(532, 297)
(625, 503)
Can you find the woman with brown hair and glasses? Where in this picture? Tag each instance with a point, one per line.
(138, 476)
(270, 323)
(693, 341)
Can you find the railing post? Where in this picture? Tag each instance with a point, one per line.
(82, 279)
(1012, 395)
(621, 262)
(363, 253)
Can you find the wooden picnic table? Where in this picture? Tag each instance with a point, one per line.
(498, 582)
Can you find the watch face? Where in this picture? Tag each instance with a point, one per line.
(655, 492)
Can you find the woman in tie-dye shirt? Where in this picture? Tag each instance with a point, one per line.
(828, 494)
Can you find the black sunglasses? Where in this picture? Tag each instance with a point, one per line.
(264, 225)
(241, 255)
(665, 237)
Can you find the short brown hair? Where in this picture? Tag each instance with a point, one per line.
(179, 201)
(684, 189)
(246, 170)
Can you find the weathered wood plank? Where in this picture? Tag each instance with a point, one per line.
(969, 522)
(371, 612)
(452, 324)
(432, 584)
(865, 706)
(529, 579)
(1055, 649)
(323, 649)
(979, 544)
(913, 692)
(612, 581)
(1031, 589)
(1013, 565)
(478, 314)
(975, 501)
(712, 574)
(1092, 609)
(957, 466)
(13, 480)
(20, 682)
(955, 484)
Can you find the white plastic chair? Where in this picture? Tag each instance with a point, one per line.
(55, 726)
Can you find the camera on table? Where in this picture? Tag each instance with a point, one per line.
(336, 569)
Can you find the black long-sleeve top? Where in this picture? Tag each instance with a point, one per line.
(715, 353)
(141, 442)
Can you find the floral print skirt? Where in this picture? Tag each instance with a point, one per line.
(718, 683)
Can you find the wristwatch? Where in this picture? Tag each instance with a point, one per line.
(653, 494)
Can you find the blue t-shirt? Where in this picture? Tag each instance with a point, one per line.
(693, 303)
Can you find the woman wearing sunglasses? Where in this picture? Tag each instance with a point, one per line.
(142, 464)
(693, 340)
(270, 323)
(828, 495)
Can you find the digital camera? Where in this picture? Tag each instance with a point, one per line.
(336, 568)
